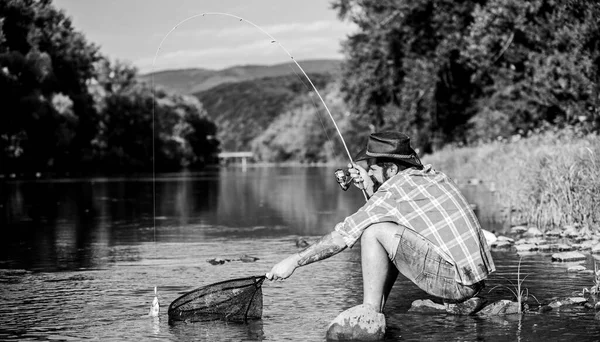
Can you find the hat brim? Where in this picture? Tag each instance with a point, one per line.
(364, 155)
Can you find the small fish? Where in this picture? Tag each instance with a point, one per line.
(155, 308)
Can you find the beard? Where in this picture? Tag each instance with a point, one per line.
(376, 183)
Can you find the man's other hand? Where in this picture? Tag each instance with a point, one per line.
(361, 178)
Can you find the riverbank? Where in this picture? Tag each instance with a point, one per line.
(549, 180)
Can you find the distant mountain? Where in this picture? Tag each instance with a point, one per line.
(243, 110)
(193, 81)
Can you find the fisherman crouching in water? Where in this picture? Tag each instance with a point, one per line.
(415, 222)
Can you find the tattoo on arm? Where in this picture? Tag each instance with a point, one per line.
(322, 249)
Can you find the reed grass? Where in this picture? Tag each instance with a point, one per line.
(551, 179)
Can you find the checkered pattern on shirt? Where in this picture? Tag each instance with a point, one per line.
(428, 202)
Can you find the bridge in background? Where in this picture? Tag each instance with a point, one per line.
(225, 157)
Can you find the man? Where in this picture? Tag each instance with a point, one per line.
(415, 222)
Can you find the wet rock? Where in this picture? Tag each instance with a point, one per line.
(568, 256)
(247, 258)
(358, 323)
(570, 231)
(518, 229)
(545, 308)
(597, 316)
(500, 308)
(566, 301)
(526, 248)
(556, 247)
(217, 261)
(501, 244)
(596, 249)
(426, 306)
(575, 269)
(532, 241)
(586, 245)
(302, 243)
(505, 238)
(553, 233)
(534, 231)
(489, 236)
(468, 307)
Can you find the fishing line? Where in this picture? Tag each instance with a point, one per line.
(273, 40)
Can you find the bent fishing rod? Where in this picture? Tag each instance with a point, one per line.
(274, 41)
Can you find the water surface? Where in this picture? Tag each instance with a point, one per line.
(79, 259)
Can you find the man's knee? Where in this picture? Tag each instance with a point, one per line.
(381, 232)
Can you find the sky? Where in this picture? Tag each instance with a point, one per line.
(132, 31)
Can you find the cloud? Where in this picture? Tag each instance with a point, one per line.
(244, 29)
(220, 47)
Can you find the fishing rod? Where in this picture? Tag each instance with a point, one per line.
(154, 311)
(275, 41)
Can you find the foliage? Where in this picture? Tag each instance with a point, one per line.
(68, 109)
(305, 132)
(243, 110)
(128, 110)
(44, 63)
(469, 71)
(521, 294)
(551, 178)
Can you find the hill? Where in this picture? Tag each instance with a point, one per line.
(243, 110)
(192, 81)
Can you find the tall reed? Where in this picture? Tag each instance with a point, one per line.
(549, 179)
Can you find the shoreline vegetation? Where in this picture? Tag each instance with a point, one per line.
(550, 180)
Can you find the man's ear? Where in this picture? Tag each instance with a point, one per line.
(392, 170)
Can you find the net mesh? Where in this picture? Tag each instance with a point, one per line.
(235, 300)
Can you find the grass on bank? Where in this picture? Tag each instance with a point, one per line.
(551, 179)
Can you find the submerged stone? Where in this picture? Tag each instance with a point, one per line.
(501, 244)
(534, 231)
(500, 308)
(577, 268)
(426, 306)
(468, 307)
(357, 323)
(526, 248)
(247, 258)
(518, 229)
(568, 256)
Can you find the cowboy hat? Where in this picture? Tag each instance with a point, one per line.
(394, 145)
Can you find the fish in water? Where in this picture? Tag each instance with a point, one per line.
(155, 308)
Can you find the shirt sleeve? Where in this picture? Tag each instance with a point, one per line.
(379, 208)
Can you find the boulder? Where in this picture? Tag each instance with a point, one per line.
(568, 256)
(499, 308)
(357, 323)
(426, 306)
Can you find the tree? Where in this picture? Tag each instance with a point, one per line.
(44, 63)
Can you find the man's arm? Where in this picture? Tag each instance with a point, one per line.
(327, 246)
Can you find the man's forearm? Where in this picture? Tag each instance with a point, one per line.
(327, 246)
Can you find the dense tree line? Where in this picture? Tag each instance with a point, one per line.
(66, 108)
(464, 71)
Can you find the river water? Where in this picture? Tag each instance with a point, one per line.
(79, 260)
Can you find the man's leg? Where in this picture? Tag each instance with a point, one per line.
(379, 273)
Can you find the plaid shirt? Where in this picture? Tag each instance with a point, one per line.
(429, 203)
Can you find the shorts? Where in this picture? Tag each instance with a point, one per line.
(419, 260)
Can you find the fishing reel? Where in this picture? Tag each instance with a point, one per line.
(343, 179)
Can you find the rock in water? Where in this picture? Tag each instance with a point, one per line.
(358, 323)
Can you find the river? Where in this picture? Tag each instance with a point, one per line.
(79, 260)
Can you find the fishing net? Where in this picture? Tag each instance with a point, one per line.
(235, 300)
